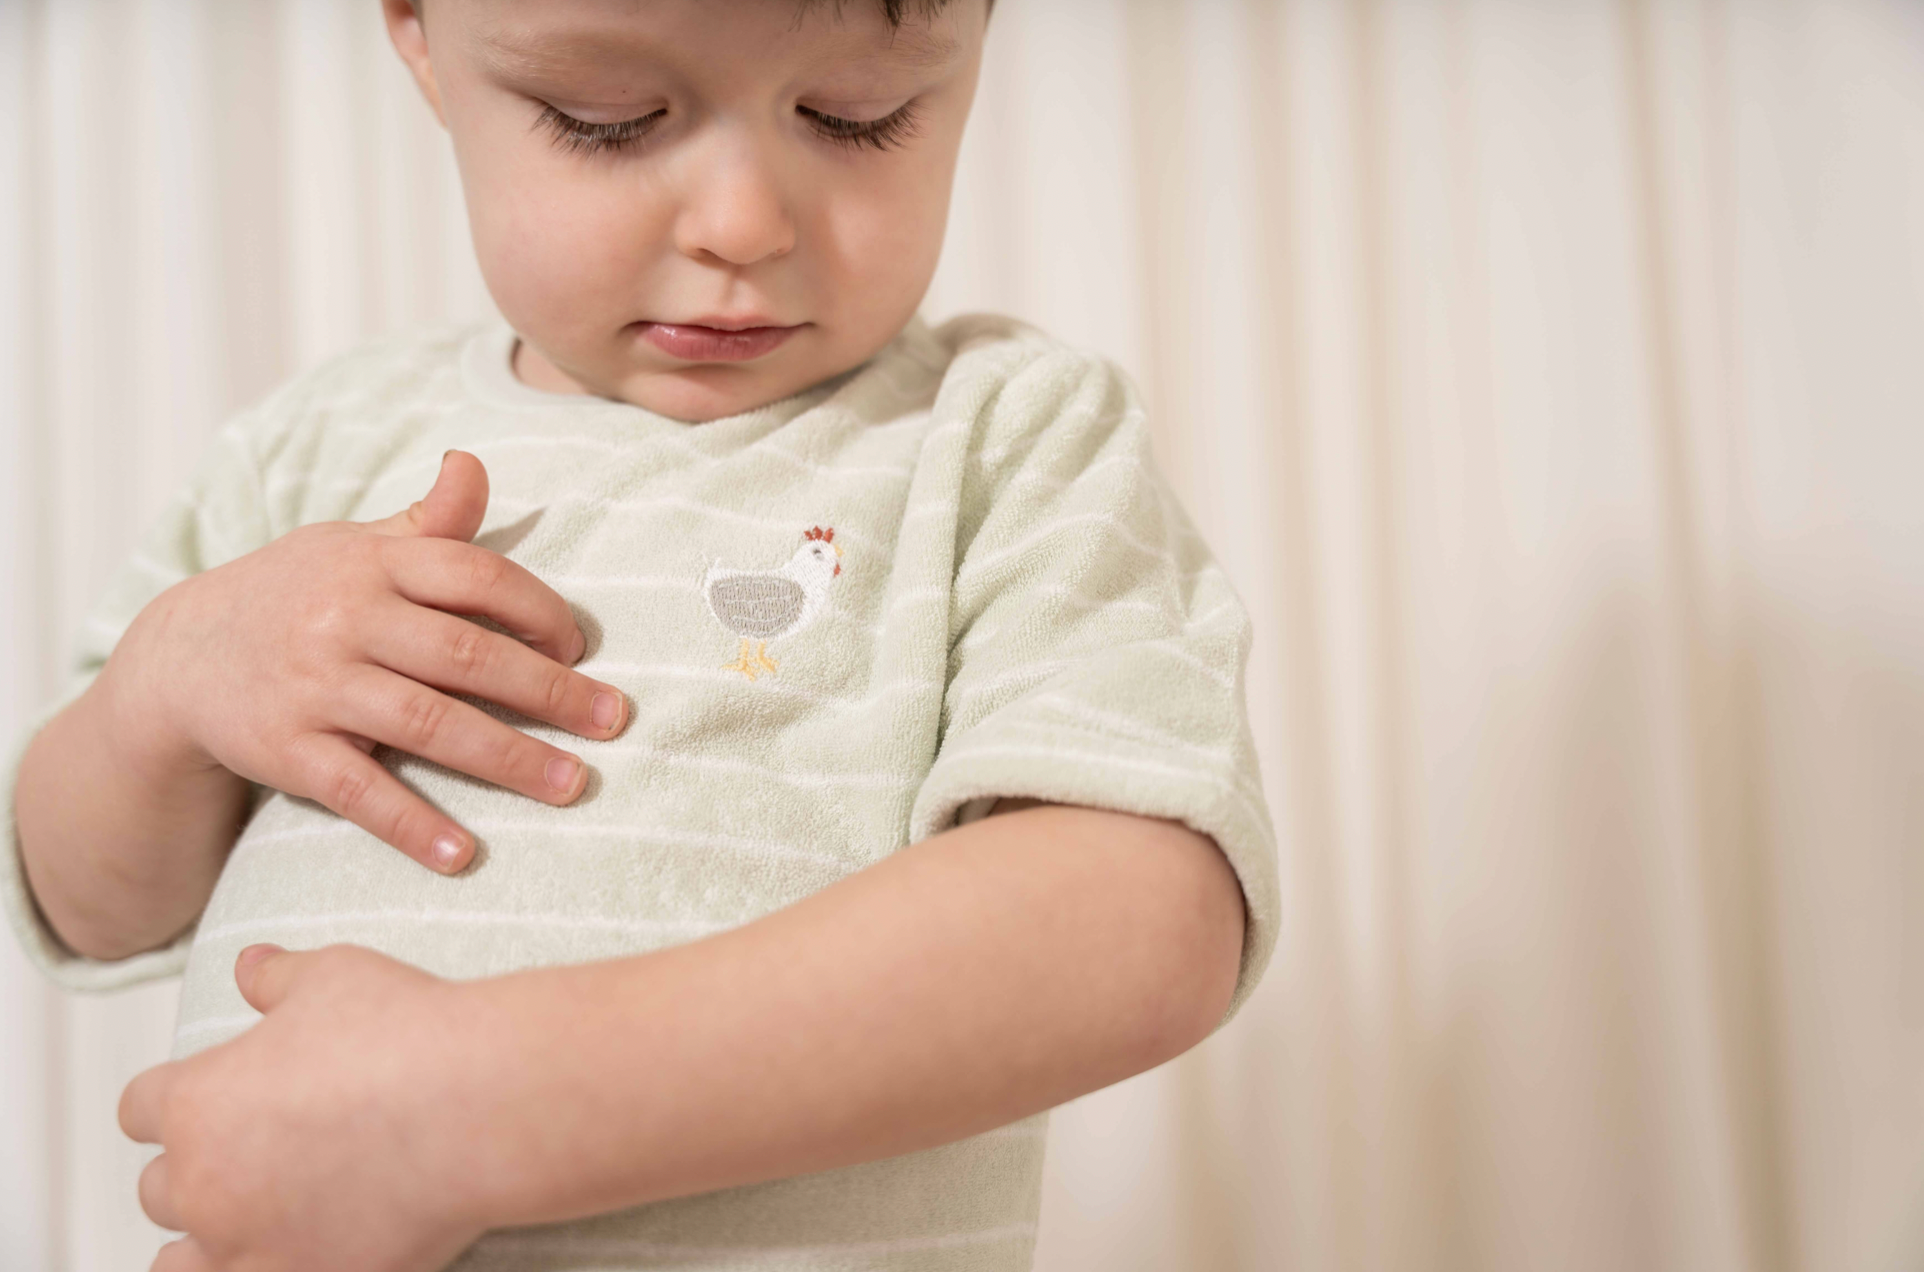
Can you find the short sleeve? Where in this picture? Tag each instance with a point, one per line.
(217, 516)
(1097, 650)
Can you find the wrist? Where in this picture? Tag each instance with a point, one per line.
(528, 1117)
(133, 715)
(483, 1134)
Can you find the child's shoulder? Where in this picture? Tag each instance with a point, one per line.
(1022, 388)
(997, 353)
(402, 363)
(387, 375)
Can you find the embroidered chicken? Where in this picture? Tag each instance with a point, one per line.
(764, 605)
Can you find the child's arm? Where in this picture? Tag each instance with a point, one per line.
(285, 667)
(121, 841)
(988, 973)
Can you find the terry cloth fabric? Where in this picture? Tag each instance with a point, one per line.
(1020, 610)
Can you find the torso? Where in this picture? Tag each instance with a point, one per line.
(765, 760)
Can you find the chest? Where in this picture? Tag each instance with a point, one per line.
(778, 612)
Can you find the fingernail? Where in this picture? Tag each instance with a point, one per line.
(255, 953)
(562, 773)
(605, 711)
(447, 851)
(581, 647)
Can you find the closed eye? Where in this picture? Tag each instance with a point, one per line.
(887, 133)
(578, 136)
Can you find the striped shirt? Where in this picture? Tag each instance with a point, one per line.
(846, 621)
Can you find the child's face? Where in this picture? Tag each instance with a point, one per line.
(786, 169)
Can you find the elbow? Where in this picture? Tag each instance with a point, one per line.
(1196, 920)
(85, 936)
(102, 946)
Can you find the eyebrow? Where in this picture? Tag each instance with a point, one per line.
(506, 51)
(923, 50)
(509, 51)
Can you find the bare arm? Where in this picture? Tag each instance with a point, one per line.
(989, 973)
(122, 836)
(286, 667)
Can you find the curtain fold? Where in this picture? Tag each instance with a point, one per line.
(1547, 376)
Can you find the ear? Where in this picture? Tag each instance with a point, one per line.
(410, 40)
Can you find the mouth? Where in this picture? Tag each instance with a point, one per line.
(716, 339)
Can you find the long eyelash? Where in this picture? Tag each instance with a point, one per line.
(578, 136)
(885, 133)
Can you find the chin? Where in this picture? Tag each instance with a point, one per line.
(700, 394)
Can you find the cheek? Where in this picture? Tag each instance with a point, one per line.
(880, 243)
(566, 249)
(562, 244)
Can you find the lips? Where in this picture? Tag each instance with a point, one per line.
(695, 342)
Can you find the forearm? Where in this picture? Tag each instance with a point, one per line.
(985, 975)
(121, 842)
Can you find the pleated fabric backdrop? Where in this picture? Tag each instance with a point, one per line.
(1549, 376)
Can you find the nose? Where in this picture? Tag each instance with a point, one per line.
(733, 210)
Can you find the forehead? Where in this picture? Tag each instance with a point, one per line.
(551, 37)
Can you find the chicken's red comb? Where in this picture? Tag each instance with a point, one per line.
(826, 536)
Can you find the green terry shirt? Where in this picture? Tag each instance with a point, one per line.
(1021, 610)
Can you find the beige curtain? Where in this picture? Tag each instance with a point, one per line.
(1550, 376)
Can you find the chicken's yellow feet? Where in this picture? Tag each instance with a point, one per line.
(745, 663)
(761, 656)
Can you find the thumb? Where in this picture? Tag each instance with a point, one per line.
(452, 508)
(265, 974)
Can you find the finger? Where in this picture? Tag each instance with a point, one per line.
(411, 717)
(458, 656)
(265, 974)
(453, 507)
(156, 1198)
(184, 1255)
(463, 579)
(143, 1100)
(346, 780)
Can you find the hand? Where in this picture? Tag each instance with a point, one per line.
(288, 665)
(314, 1141)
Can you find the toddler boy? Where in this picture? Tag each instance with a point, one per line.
(849, 763)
